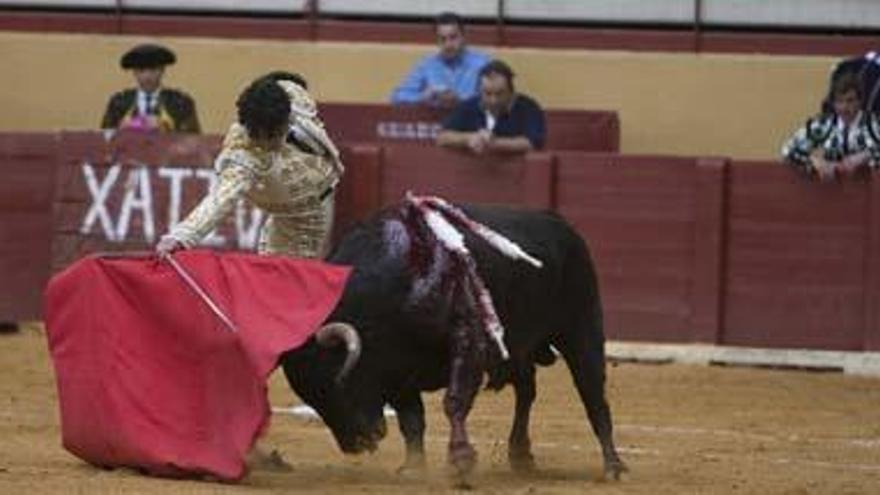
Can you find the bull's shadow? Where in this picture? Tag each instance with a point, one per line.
(368, 476)
(413, 318)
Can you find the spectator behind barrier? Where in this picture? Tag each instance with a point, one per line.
(842, 143)
(149, 106)
(498, 120)
(867, 67)
(445, 78)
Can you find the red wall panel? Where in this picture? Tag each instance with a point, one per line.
(796, 260)
(637, 214)
(686, 249)
(26, 163)
(584, 130)
(710, 249)
(358, 192)
(75, 199)
(459, 176)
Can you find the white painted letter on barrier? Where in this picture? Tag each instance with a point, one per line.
(99, 193)
(138, 196)
(175, 178)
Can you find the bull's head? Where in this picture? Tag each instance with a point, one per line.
(349, 403)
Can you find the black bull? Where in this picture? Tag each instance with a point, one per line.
(412, 344)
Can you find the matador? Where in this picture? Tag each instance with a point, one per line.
(292, 181)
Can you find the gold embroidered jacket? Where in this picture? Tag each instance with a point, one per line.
(294, 188)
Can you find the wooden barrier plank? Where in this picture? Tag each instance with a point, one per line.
(538, 190)
(769, 260)
(378, 123)
(464, 177)
(358, 193)
(871, 336)
(74, 246)
(122, 193)
(24, 264)
(583, 130)
(796, 258)
(709, 250)
(637, 214)
(26, 161)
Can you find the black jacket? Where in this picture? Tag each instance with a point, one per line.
(177, 105)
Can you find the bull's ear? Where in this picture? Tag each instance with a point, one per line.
(336, 333)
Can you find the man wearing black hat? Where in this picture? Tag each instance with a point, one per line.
(150, 106)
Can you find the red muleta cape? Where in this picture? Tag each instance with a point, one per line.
(148, 377)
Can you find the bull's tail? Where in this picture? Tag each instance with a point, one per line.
(582, 345)
(581, 286)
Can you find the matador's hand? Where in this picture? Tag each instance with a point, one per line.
(824, 169)
(168, 245)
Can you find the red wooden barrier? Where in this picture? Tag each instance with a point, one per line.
(358, 192)
(638, 216)
(121, 194)
(26, 164)
(710, 250)
(687, 249)
(584, 130)
(871, 336)
(796, 261)
(459, 176)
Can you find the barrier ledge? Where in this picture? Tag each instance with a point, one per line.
(849, 362)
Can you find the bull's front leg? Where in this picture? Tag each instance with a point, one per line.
(519, 451)
(464, 382)
(411, 420)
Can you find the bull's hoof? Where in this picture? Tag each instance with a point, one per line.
(521, 462)
(614, 469)
(463, 460)
(413, 467)
(273, 461)
(462, 483)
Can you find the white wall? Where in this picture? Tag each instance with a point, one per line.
(287, 6)
(663, 11)
(814, 13)
(855, 14)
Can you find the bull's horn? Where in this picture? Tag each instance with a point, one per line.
(333, 333)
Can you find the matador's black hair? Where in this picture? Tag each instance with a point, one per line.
(264, 109)
(283, 75)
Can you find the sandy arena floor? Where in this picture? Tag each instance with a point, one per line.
(682, 429)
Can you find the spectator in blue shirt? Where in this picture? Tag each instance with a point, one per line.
(498, 120)
(446, 77)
